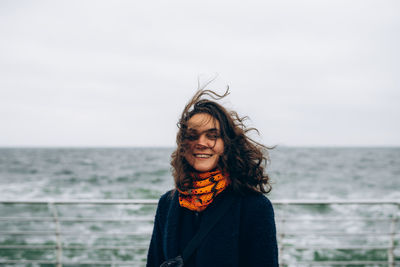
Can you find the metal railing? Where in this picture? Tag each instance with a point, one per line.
(389, 236)
(302, 239)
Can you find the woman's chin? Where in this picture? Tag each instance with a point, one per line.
(202, 164)
(203, 168)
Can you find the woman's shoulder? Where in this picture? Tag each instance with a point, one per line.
(257, 203)
(256, 198)
(164, 205)
(166, 199)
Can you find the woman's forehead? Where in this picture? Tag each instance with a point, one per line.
(202, 121)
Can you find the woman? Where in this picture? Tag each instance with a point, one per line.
(215, 161)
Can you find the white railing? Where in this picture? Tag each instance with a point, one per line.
(296, 243)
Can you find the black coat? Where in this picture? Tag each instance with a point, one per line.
(244, 236)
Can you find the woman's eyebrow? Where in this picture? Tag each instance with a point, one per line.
(192, 130)
(212, 130)
(208, 130)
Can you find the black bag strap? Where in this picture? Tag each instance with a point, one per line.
(216, 215)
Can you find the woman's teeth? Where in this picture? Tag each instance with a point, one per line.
(202, 155)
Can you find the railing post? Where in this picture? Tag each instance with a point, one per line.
(282, 234)
(58, 234)
(392, 242)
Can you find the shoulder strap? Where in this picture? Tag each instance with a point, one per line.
(217, 214)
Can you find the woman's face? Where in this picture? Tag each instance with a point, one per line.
(205, 142)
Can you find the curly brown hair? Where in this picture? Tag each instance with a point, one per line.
(244, 159)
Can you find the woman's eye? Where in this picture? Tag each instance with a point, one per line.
(213, 136)
(192, 137)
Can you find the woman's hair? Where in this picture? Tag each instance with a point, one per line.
(244, 159)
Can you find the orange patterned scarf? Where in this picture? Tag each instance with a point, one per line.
(206, 186)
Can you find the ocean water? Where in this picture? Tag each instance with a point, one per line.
(144, 173)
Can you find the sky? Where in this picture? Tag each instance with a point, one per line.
(119, 73)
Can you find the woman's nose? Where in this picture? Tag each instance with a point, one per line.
(202, 141)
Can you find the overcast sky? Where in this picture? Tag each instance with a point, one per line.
(118, 73)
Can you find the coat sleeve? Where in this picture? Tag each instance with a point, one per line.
(155, 254)
(258, 245)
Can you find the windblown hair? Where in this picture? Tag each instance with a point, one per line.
(244, 159)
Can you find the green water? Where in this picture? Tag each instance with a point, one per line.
(296, 173)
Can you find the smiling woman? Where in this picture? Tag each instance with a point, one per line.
(217, 214)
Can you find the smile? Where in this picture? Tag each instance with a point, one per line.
(205, 156)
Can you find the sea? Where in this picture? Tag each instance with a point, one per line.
(306, 233)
